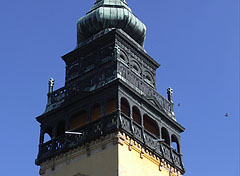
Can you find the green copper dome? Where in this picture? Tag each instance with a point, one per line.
(110, 14)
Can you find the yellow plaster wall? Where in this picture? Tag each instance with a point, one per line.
(126, 158)
(131, 163)
(103, 163)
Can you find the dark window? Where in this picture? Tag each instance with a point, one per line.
(175, 143)
(135, 68)
(96, 112)
(165, 135)
(78, 120)
(136, 115)
(125, 108)
(110, 106)
(150, 125)
(148, 78)
(123, 58)
(61, 128)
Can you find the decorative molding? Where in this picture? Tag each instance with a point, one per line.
(146, 154)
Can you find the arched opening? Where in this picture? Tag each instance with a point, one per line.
(78, 120)
(136, 115)
(111, 106)
(123, 57)
(61, 128)
(148, 78)
(96, 112)
(165, 136)
(150, 125)
(125, 108)
(135, 68)
(47, 135)
(175, 143)
(47, 138)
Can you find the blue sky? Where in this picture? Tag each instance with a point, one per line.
(196, 43)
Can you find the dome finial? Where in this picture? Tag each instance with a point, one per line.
(110, 14)
(115, 0)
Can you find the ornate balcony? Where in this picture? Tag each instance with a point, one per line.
(66, 142)
(105, 125)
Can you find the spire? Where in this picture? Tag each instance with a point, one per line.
(110, 14)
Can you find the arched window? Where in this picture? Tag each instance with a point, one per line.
(148, 78)
(150, 125)
(96, 112)
(61, 128)
(136, 115)
(123, 57)
(78, 120)
(175, 143)
(135, 68)
(125, 108)
(47, 138)
(47, 135)
(110, 106)
(165, 135)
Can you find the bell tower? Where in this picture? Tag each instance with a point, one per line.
(108, 119)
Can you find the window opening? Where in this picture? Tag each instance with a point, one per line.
(110, 107)
(150, 125)
(125, 108)
(136, 115)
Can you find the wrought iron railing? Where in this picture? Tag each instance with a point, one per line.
(126, 75)
(58, 95)
(151, 141)
(105, 125)
(88, 132)
(162, 101)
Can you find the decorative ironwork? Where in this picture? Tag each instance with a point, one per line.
(125, 123)
(137, 83)
(150, 140)
(58, 95)
(103, 126)
(87, 72)
(176, 158)
(166, 152)
(137, 131)
(89, 132)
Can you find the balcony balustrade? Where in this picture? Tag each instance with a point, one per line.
(105, 125)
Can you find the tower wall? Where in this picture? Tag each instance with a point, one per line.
(134, 159)
(115, 155)
(99, 158)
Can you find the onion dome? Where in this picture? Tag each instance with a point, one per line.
(110, 14)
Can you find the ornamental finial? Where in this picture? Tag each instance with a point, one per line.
(170, 93)
(50, 85)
